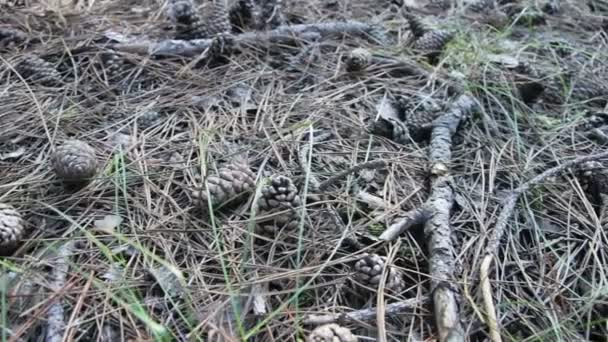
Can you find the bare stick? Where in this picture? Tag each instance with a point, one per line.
(281, 33)
(366, 315)
(55, 322)
(508, 206)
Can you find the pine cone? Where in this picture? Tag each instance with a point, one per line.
(594, 177)
(244, 14)
(331, 333)
(561, 89)
(148, 119)
(480, 5)
(10, 37)
(182, 13)
(589, 89)
(11, 227)
(191, 25)
(271, 13)
(216, 19)
(279, 200)
(433, 42)
(115, 67)
(38, 70)
(74, 162)
(417, 26)
(369, 272)
(390, 128)
(358, 60)
(419, 117)
(228, 186)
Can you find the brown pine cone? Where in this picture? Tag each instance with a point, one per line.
(589, 89)
(36, 69)
(433, 42)
(115, 67)
(390, 128)
(216, 20)
(278, 204)
(228, 186)
(560, 90)
(182, 13)
(11, 228)
(271, 14)
(417, 26)
(358, 60)
(480, 5)
(331, 333)
(244, 14)
(189, 24)
(74, 162)
(400, 131)
(10, 37)
(368, 271)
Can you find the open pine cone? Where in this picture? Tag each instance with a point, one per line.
(357, 60)
(433, 42)
(279, 200)
(36, 69)
(189, 24)
(244, 14)
(74, 162)
(417, 26)
(331, 333)
(226, 187)
(368, 271)
(11, 227)
(10, 37)
(115, 67)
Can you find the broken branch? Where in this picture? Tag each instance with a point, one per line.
(197, 46)
(508, 205)
(411, 218)
(366, 314)
(435, 213)
(55, 322)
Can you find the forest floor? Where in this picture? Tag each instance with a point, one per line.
(354, 128)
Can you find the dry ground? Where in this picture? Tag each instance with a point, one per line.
(167, 272)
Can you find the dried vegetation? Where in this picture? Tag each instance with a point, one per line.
(239, 186)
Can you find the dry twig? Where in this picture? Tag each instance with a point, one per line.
(365, 315)
(508, 205)
(281, 33)
(56, 323)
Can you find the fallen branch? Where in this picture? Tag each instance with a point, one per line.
(508, 205)
(281, 33)
(366, 315)
(55, 322)
(411, 218)
(435, 213)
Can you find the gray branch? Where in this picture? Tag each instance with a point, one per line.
(411, 218)
(366, 315)
(55, 322)
(435, 214)
(509, 202)
(287, 32)
(438, 230)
